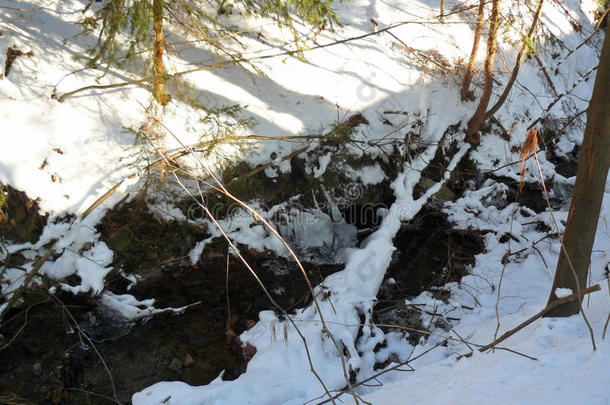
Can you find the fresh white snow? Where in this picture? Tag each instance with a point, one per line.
(69, 154)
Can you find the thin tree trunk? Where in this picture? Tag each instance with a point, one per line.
(477, 119)
(513, 75)
(591, 175)
(158, 69)
(442, 19)
(466, 93)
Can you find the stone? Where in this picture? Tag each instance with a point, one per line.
(37, 369)
(175, 364)
(188, 360)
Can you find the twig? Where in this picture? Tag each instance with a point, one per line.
(414, 51)
(228, 329)
(546, 75)
(253, 212)
(185, 152)
(461, 338)
(96, 394)
(504, 264)
(268, 164)
(375, 376)
(529, 37)
(256, 58)
(597, 27)
(607, 319)
(559, 97)
(28, 279)
(83, 334)
(230, 62)
(540, 314)
(563, 248)
(427, 333)
(21, 328)
(568, 123)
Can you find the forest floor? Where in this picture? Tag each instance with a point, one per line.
(420, 247)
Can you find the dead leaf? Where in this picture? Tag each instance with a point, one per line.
(248, 351)
(529, 148)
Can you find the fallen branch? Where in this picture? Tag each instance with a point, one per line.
(373, 377)
(540, 314)
(222, 189)
(184, 152)
(28, 279)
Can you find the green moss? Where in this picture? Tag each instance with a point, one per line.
(19, 217)
(142, 241)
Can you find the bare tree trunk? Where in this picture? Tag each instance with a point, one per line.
(591, 176)
(513, 75)
(466, 93)
(441, 18)
(477, 119)
(158, 69)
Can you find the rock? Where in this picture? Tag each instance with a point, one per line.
(188, 360)
(443, 194)
(174, 370)
(248, 351)
(37, 369)
(175, 364)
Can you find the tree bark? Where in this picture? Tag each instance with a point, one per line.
(442, 15)
(591, 176)
(477, 119)
(513, 75)
(159, 47)
(466, 93)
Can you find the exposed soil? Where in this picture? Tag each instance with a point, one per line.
(154, 350)
(44, 360)
(47, 361)
(11, 55)
(20, 220)
(429, 254)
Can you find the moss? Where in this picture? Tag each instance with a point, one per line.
(19, 216)
(142, 241)
(34, 231)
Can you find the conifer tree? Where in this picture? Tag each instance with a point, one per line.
(130, 30)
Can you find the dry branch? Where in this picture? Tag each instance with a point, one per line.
(28, 279)
(237, 61)
(540, 314)
(515, 72)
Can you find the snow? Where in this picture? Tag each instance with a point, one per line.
(563, 292)
(69, 154)
(371, 175)
(323, 161)
(130, 308)
(566, 371)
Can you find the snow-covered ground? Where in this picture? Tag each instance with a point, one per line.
(69, 154)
